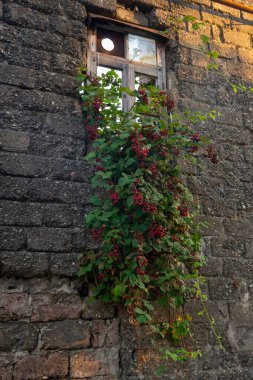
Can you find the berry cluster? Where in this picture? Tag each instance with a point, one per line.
(156, 231)
(137, 197)
(115, 252)
(183, 211)
(114, 197)
(143, 95)
(138, 147)
(97, 232)
(97, 103)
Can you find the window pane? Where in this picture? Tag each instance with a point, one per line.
(103, 70)
(110, 42)
(141, 79)
(142, 49)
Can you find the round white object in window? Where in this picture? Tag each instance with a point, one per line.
(107, 44)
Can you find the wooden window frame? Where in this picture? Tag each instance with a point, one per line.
(128, 67)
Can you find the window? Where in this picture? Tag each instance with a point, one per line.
(137, 56)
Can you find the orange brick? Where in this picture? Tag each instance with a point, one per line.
(237, 38)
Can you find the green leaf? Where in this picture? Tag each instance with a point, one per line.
(119, 290)
(85, 269)
(141, 318)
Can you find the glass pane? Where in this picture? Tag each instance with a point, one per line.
(111, 42)
(141, 79)
(103, 70)
(142, 49)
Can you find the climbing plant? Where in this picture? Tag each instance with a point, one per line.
(143, 217)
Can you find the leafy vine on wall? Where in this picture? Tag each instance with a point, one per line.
(143, 215)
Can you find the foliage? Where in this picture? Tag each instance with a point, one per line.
(143, 217)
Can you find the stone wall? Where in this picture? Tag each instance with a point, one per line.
(47, 330)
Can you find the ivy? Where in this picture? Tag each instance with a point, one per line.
(143, 217)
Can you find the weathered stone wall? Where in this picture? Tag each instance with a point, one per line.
(46, 329)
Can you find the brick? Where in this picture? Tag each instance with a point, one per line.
(18, 336)
(67, 28)
(97, 310)
(132, 17)
(6, 365)
(249, 248)
(240, 71)
(224, 50)
(219, 207)
(65, 124)
(66, 264)
(19, 164)
(105, 6)
(12, 238)
(191, 74)
(105, 333)
(11, 285)
(36, 366)
(25, 17)
(237, 38)
(14, 306)
(227, 247)
(35, 100)
(199, 59)
(49, 239)
(147, 5)
(46, 6)
(238, 268)
(74, 170)
(20, 214)
(47, 190)
(222, 288)
(21, 120)
(1, 9)
(189, 40)
(66, 335)
(56, 146)
(14, 141)
(14, 188)
(158, 19)
(24, 264)
(53, 307)
(89, 363)
(212, 267)
(226, 9)
(212, 18)
(238, 227)
(35, 79)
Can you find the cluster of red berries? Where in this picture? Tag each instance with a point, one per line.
(196, 137)
(137, 147)
(183, 210)
(164, 152)
(152, 135)
(97, 103)
(115, 252)
(97, 232)
(156, 231)
(101, 276)
(114, 197)
(137, 197)
(143, 95)
(149, 208)
(166, 101)
(153, 169)
(211, 152)
(92, 132)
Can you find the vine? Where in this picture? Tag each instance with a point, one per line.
(143, 217)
